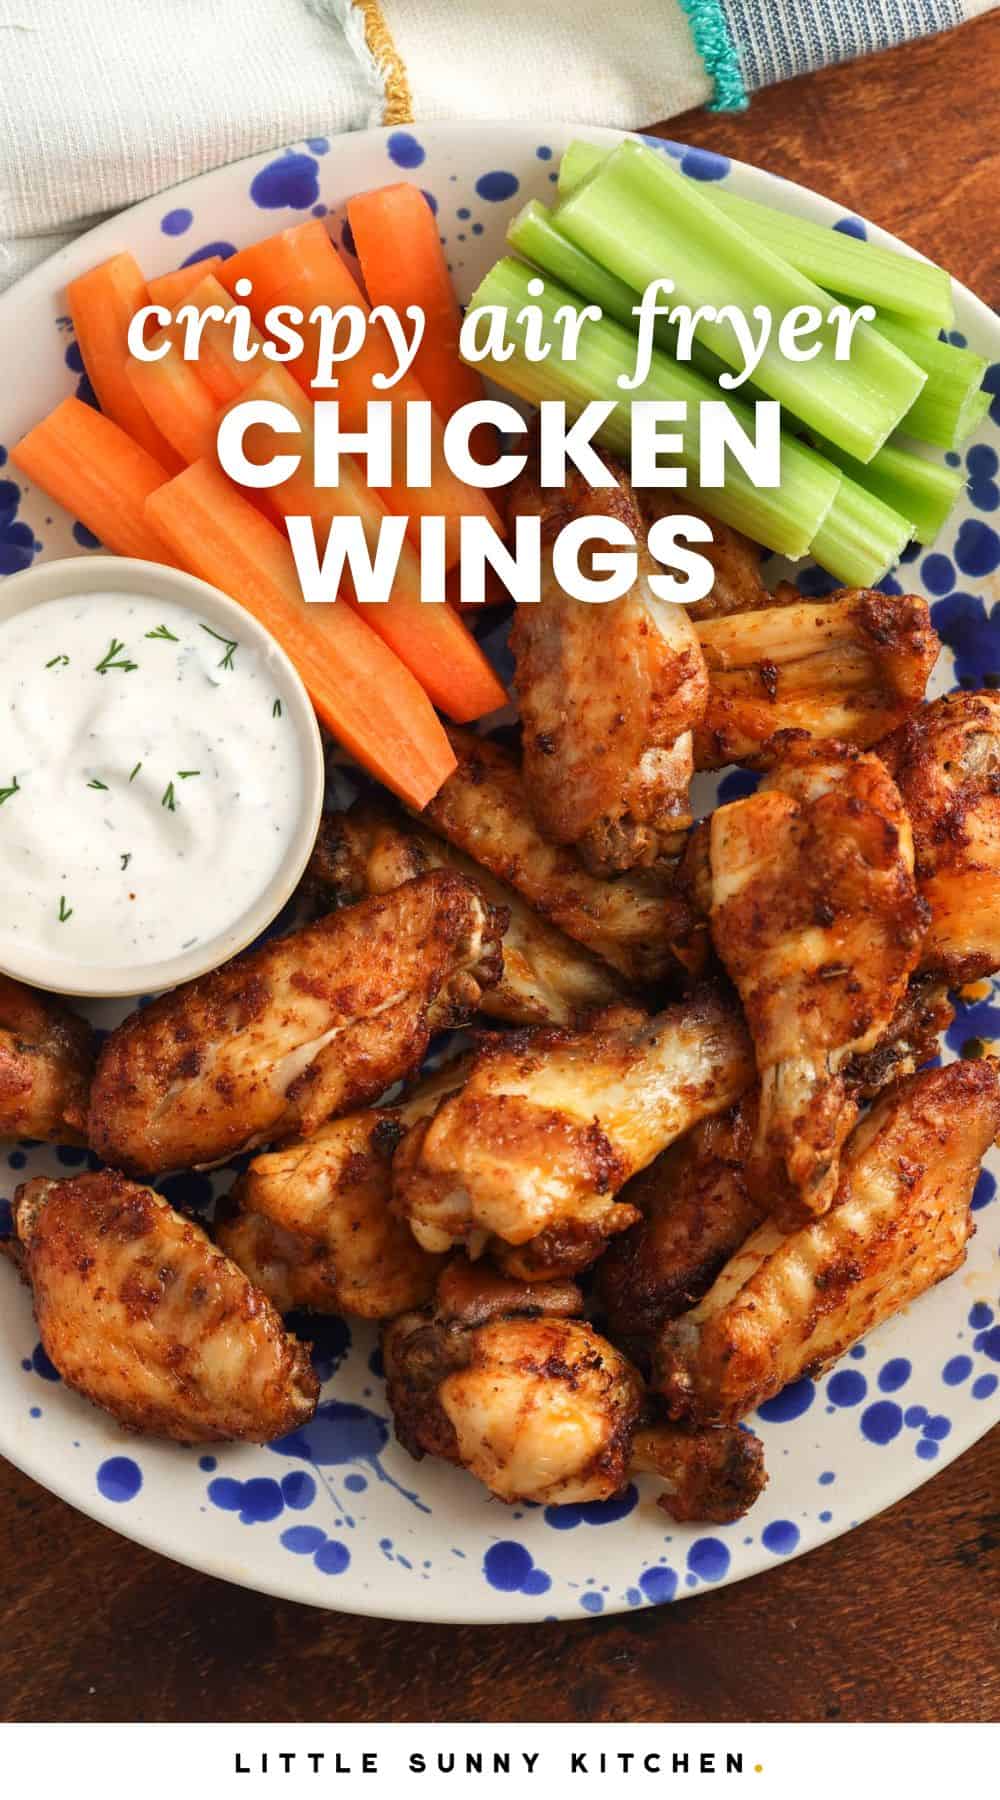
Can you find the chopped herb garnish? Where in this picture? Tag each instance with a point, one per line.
(162, 632)
(14, 788)
(126, 859)
(54, 661)
(113, 659)
(65, 912)
(186, 774)
(169, 800)
(135, 771)
(232, 645)
(276, 710)
(98, 784)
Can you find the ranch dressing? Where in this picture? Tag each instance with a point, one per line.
(149, 781)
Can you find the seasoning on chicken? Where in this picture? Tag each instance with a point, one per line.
(639, 923)
(285, 1036)
(695, 1212)
(608, 694)
(787, 1306)
(46, 1061)
(852, 668)
(736, 559)
(550, 1125)
(815, 915)
(503, 1380)
(946, 761)
(547, 979)
(310, 1224)
(140, 1313)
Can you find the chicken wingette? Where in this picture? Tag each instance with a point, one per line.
(850, 668)
(608, 694)
(547, 979)
(816, 917)
(736, 559)
(310, 1224)
(946, 761)
(534, 1149)
(505, 1381)
(140, 1313)
(787, 1306)
(639, 923)
(283, 1037)
(46, 1062)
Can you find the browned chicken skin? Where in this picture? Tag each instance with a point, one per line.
(608, 695)
(140, 1313)
(815, 915)
(737, 587)
(547, 979)
(946, 761)
(46, 1062)
(310, 1025)
(787, 1306)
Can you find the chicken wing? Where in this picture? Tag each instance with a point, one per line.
(737, 587)
(695, 1212)
(46, 1062)
(310, 1224)
(850, 668)
(608, 695)
(547, 979)
(946, 761)
(815, 915)
(787, 1306)
(312, 1024)
(639, 923)
(504, 1381)
(550, 1125)
(142, 1315)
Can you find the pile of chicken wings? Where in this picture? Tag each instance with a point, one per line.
(701, 1142)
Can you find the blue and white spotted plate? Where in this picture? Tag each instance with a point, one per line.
(338, 1515)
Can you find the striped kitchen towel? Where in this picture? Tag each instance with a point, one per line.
(103, 104)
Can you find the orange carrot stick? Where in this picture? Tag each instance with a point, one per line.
(101, 304)
(176, 399)
(172, 289)
(300, 267)
(217, 365)
(403, 264)
(360, 690)
(430, 639)
(87, 464)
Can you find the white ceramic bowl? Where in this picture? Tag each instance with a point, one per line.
(251, 914)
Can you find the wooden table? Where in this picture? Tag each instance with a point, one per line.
(896, 1621)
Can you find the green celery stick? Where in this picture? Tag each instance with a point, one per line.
(861, 538)
(922, 491)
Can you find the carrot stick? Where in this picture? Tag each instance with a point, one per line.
(101, 304)
(87, 464)
(176, 399)
(430, 639)
(403, 264)
(300, 267)
(217, 365)
(172, 289)
(360, 690)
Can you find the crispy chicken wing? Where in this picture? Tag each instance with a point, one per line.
(550, 1125)
(851, 667)
(608, 695)
(46, 1061)
(736, 559)
(946, 761)
(547, 979)
(639, 923)
(310, 1224)
(503, 1380)
(282, 1037)
(140, 1313)
(815, 914)
(786, 1306)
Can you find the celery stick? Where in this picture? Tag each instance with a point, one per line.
(847, 266)
(641, 220)
(972, 414)
(861, 538)
(922, 491)
(954, 377)
(784, 519)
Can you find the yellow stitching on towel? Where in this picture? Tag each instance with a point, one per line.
(398, 98)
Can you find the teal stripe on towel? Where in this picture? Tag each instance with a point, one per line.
(715, 47)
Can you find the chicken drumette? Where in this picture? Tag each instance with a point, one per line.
(312, 1024)
(46, 1062)
(139, 1312)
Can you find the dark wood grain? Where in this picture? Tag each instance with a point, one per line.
(899, 1619)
